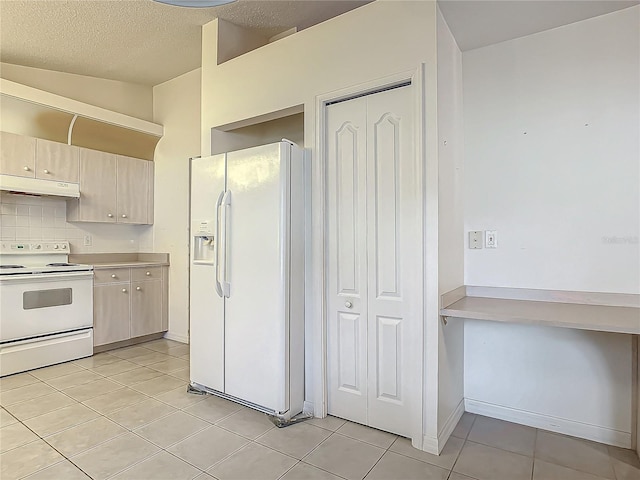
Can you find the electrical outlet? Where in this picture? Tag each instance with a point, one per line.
(491, 238)
(475, 239)
(88, 240)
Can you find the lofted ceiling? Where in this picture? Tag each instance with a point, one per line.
(141, 41)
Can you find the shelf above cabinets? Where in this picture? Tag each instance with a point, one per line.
(29, 111)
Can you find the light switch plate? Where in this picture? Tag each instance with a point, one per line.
(491, 239)
(87, 240)
(475, 239)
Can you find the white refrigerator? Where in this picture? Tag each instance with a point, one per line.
(247, 277)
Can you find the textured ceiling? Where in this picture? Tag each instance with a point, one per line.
(137, 41)
(145, 42)
(478, 23)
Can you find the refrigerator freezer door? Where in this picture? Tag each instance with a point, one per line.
(207, 307)
(257, 231)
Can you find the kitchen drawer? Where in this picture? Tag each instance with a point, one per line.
(146, 273)
(111, 275)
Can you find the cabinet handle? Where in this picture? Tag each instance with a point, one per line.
(348, 304)
(124, 216)
(138, 288)
(124, 290)
(113, 275)
(110, 215)
(46, 171)
(26, 169)
(148, 274)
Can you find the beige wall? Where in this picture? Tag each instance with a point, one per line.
(565, 200)
(450, 222)
(176, 105)
(369, 43)
(127, 98)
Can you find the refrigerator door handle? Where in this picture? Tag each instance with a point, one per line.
(216, 245)
(226, 202)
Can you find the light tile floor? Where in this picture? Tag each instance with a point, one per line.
(125, 414)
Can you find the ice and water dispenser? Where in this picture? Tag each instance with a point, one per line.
(203, 232)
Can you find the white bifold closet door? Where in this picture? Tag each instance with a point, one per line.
(374, 257)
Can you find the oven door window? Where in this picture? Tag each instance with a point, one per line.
(46, 298)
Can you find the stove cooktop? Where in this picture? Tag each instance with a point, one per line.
(37, 257)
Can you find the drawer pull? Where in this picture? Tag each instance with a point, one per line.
(124, 216)
(113, 275)
(110, 215)
(26, 169)
(148, 274)
(46, 171)
(138, 288)
(124, 290)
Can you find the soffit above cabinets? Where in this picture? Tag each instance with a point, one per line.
(36, 113)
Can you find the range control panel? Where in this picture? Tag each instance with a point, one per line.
(60, 246)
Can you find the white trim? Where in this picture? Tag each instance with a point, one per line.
(317, 303)
(176, 337)
(565, 426)
(450, 425)
(307, 407)
(429, 445)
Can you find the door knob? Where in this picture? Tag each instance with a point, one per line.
(348, 304)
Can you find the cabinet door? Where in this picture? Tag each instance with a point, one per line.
(146, 308)
(111, 313)
(97, 186)
(17, 155)
(56, 161)
(133, 185)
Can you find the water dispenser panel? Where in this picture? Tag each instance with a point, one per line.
(204, 241)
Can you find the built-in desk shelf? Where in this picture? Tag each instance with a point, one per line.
(600, 312)
(617, 313)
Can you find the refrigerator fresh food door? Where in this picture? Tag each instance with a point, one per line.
(256, 275)
(207, 306)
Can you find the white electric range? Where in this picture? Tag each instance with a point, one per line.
(46, 306)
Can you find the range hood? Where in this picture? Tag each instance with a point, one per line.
(36, 186)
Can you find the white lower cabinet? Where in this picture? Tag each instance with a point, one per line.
(128, 303)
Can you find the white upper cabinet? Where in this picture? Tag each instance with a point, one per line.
(113, 189)
(17, 155)
(133, 190)
(57, 161)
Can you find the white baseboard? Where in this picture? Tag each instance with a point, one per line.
(450, 425)
(177, 338)
(307, 407)
(430, 445)
(553, 424)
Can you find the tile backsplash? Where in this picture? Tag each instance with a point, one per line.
(25, 217)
